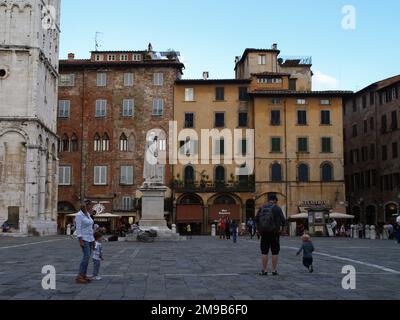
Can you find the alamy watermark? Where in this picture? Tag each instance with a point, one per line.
(349, 281)
(49, 18)
(49, 279)
(349, 20)
(229, 147)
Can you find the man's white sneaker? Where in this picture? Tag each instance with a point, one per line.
(98, 278)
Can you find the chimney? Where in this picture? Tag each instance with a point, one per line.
(71, 56)
(206, 75)
(275, 46)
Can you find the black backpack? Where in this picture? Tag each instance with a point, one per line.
(266, 220)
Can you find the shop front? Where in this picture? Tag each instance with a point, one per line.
(190, 211)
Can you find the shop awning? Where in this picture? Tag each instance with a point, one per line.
(299, 216)
(336, 215)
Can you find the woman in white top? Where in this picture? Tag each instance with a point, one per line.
(84, 230)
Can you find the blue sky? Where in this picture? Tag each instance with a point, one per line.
(210, 33)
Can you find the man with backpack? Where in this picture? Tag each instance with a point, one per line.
(270, 220)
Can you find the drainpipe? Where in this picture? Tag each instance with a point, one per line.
(83, 172)
(286, 161)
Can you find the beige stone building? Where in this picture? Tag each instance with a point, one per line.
(298, 140)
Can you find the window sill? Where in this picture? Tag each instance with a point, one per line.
(65, 185)
(126, 185)
(302, 125)
(303, 152)
(276, 152)
(220, 101)
(326, 125)
(276, 125)
(100, 185)
(189, 101)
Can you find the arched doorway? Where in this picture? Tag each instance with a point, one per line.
(225, 206)
(357, 214)
(370, 215)
(250, 209)
(189, 210)
(391, 210)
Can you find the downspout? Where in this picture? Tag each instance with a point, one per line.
(287, 189)
(83, 173)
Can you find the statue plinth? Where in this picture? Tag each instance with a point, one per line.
(153, 211)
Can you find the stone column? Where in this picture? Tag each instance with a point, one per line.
(54, 195)
(42, 184)
(49, 187)
(31, 188)
(206, 219)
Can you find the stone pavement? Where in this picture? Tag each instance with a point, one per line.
(204, 268)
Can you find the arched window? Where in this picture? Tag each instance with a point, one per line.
(65, 143)
(327, 172)
(224, 200)
(220, 174)
(74, 143)
(123, 143)
(276, 172)
(303, 174)
(189, 176)
(106, 142)
(97, 143)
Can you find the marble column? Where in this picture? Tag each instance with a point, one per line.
(31, 188)
(42, 184)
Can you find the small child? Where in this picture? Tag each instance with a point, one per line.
(97, 255)
(308, 249)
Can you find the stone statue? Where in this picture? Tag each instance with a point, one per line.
(151, 162)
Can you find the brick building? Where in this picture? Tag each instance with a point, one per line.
(372, 139)
(107, 105)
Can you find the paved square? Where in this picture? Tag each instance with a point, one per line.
(203, 268)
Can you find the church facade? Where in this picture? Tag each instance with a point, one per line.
(29, 38)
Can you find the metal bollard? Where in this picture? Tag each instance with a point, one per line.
(367, 232)
(174, 228)
(373, 233)
(213, 230)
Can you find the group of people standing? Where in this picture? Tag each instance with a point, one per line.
(228, 228)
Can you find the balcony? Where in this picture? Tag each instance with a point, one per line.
(212, 187)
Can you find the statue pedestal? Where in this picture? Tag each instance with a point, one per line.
(153, 212)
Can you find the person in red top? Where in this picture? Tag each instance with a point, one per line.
(222, 229)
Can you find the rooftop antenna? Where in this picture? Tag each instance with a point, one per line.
(97, 42)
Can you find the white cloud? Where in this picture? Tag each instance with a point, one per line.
(324, 82)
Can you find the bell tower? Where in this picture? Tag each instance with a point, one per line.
(29, 49)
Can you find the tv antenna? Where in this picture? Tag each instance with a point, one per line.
(97, 41)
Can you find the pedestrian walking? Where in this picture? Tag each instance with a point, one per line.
(270, 220)
(222, 229)
(250, 226)
(97, 255)
(398, 229)
(189, 231)
(234, 230)
(84, 231)
(228, 229)
(307, 248)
